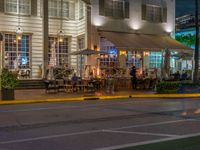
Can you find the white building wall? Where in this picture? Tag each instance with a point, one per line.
(133, 24)
(33, 25)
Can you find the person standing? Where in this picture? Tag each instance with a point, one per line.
(133, 77)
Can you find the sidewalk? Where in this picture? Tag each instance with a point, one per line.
(39, 95)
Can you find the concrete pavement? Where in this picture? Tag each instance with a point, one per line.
(93, 125)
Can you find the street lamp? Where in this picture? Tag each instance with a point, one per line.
(19, 32)
(19, 29)
(60, 32)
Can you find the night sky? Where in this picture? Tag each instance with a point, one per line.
(185, 7)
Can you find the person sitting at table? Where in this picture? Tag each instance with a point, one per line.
(184, 75)
(74, 82)
(177, 76)
(153, 80)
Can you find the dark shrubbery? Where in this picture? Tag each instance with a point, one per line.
(178, 87)
(8, 79)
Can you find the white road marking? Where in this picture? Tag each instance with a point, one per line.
(148, 142)
(141, 133)
(58, 107)
(152, 124)
(49, 137)
(83, 132)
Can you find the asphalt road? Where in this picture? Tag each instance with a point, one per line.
(87, 125)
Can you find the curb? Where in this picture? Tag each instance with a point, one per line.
(12, 102)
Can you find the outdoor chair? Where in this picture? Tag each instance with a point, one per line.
(140, 84)
(68, 86)
(146, 83)
(61, 84)
(81, 86)
(152, 83)
(51, 85)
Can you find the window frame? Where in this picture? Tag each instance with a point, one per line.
(81, 10)
(58, 50)
(157, 17)
(17, 5)
(108, 8)
(70, 13)
(18, 50)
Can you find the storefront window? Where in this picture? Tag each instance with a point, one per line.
(134, 58)
(17, 52)
(155, 60)
(58, 52)
(118, 57)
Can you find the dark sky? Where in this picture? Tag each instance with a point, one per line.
(185, 7)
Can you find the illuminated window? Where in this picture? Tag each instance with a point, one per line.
(18, 6)
(155, 60)
(68, 9)
(134, 58)
(58, 51)
(17, 52)
(114, 8)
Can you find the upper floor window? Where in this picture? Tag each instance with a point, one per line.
(114, 8)
(154, 11)
(81, 42)
(18, 7)
(81, 9)
(62, 9)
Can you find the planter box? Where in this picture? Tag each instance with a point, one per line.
(7, 94)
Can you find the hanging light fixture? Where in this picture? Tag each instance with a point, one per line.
(60, 32)
(19, 29)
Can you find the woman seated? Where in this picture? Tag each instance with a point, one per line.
(74, 81)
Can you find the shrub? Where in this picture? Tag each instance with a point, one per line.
(8, 79)
(178, 87)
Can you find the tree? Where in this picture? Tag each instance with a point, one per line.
(196, 52)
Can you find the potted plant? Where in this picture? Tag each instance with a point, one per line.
(8, 83)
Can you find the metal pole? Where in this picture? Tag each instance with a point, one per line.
(196, 52)
(1, 59)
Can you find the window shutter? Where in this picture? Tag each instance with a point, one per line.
(143, 12)
(126, 15)
(101, 7)
(1, 5)
(34, 7)
(164, 15)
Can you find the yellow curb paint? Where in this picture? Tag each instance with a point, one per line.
(10, 102)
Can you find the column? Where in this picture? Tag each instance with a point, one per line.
(166, 67)
(45, 35)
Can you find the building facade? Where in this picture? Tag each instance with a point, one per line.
(137, 32)
(132, 32)
(21, 23)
